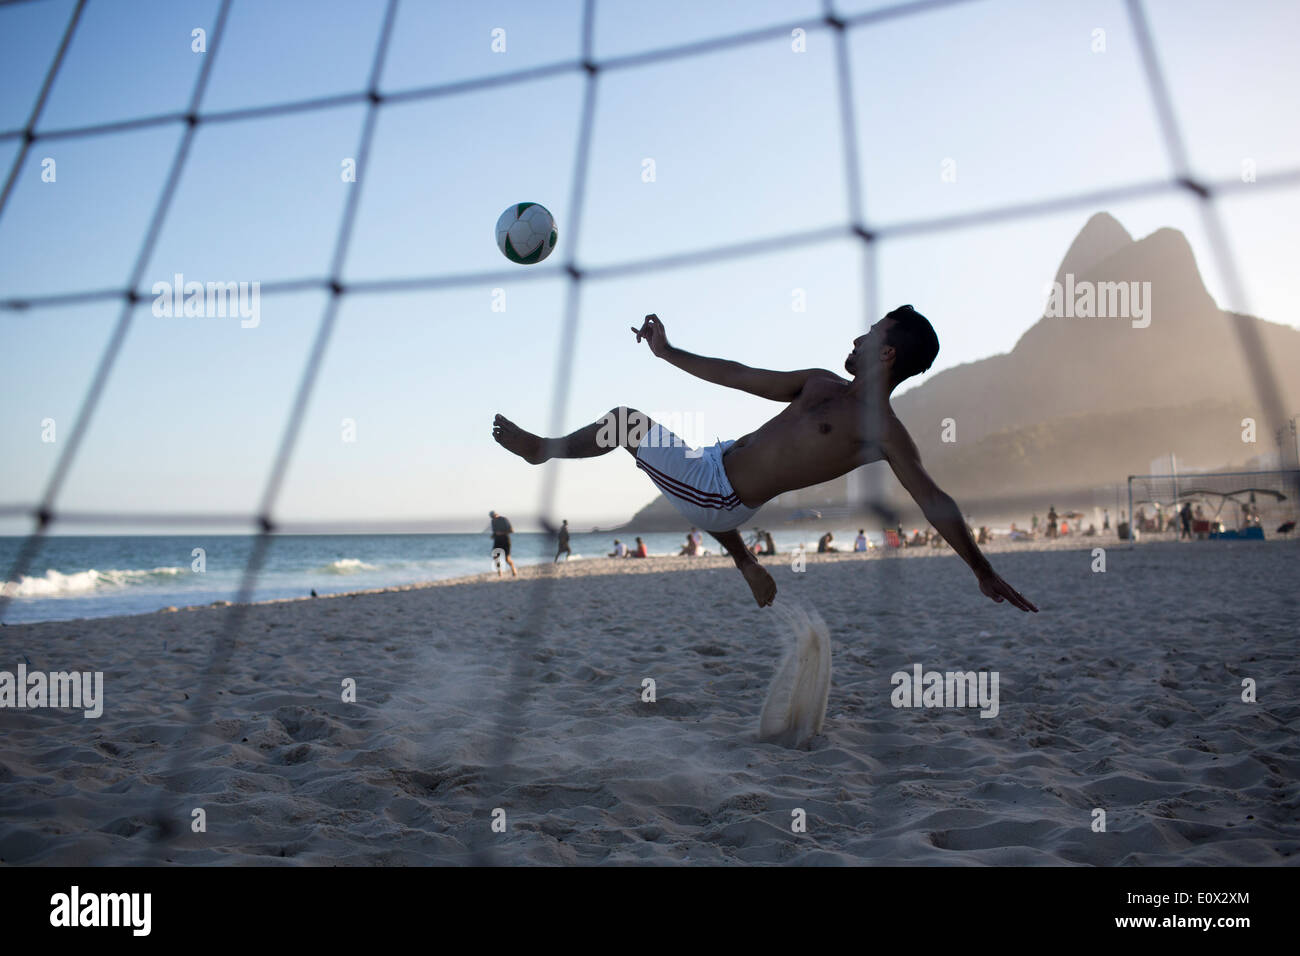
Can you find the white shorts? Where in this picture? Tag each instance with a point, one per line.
(693, 480)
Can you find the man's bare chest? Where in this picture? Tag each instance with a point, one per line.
(834, 416)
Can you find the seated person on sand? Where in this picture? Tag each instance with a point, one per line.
(860, 543)
(640, 551)
(827, 427)
(917, 541)
(620, 550)
(824, 543)
(690, 548)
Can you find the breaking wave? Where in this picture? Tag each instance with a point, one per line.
(56, 584)
(347, 566)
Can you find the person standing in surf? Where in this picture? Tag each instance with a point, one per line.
(501, 532)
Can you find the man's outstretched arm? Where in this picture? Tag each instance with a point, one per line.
(942, 512)
(777, 386)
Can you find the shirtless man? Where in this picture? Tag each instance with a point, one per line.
(829, 427)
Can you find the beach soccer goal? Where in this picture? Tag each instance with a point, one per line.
(1230, 505)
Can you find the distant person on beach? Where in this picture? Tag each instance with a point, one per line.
(1252, 512)
(763, 545)
(563, 547)
(691, 548)
(1105, 519)
(828, 427)
(1033, 525)
(824, 543)
(1052, 526)
(501, 532)
(860, 542)
(620, 550)
(698, 539)
(640, 551)
(1186, 515)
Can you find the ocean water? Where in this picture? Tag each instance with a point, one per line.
(107, 575)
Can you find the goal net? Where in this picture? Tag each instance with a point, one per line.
(1232, 504)
(584, 61)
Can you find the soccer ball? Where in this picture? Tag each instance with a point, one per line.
(526, 233)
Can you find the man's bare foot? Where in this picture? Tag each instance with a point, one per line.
(531, 448)
(760, 582)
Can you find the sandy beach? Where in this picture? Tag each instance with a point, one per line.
(1123, 695)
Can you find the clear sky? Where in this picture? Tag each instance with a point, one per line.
(746, 144)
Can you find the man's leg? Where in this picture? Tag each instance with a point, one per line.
(620, 427)
(756, 576)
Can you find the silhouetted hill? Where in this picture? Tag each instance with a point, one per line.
(1126, 395)
(1101, 238)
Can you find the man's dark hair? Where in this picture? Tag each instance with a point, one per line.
(913, 339)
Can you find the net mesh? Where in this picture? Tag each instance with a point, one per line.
(45, 513)
(1220, 502)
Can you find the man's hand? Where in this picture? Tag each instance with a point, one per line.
(991, 584)
(652, 330)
